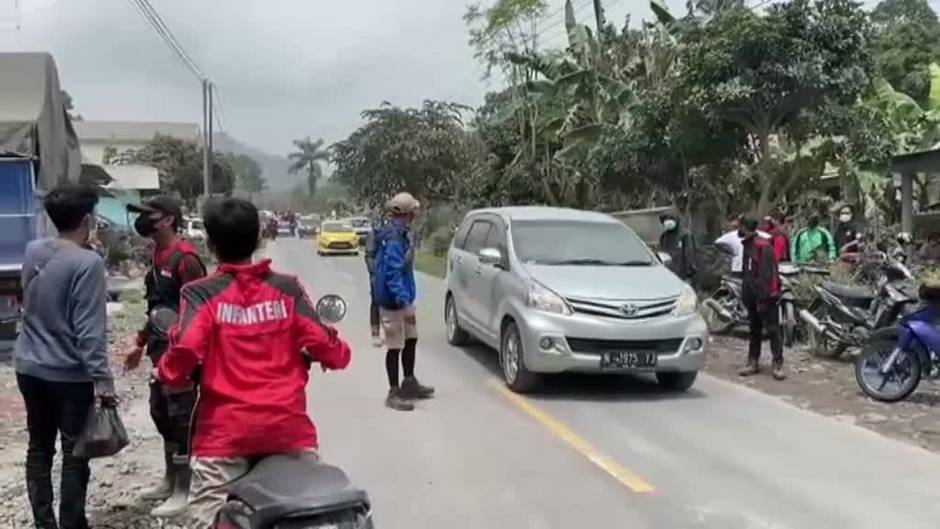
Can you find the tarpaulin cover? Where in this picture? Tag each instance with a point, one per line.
(33, 119)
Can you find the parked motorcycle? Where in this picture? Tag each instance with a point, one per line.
(896, 359)
(844, 316)
(727, 310)
(283, 492)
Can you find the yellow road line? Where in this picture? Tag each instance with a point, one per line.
(566, 434)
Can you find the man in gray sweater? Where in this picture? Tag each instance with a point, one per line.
(61, 356)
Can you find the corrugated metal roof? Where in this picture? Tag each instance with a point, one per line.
(135, 131)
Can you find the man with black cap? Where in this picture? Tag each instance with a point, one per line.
(175, 263)
(680, 246)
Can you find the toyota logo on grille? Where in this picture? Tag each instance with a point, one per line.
(630, 309)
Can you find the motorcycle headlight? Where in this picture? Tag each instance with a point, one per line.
(687, 301)
(542, 298)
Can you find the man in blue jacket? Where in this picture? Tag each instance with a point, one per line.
(393, 285)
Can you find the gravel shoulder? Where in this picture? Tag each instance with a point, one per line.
(115, 482)
(829, 387)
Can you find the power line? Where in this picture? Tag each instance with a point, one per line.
(219, 114)
(157, 23)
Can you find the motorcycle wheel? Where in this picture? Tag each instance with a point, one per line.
(346, 520)
(787, 323)
(715, 323)
(904, 378)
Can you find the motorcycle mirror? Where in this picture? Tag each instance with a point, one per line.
(161, 319)
(331, 308)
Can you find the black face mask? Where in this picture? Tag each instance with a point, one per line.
(145, 226)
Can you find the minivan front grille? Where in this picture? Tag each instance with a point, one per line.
(595, 346)
(624, 309)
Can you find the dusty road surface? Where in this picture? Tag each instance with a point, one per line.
(609, 452)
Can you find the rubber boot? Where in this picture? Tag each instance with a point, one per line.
(750, 369)
(778, 373)
(178, 502)
(164, 487)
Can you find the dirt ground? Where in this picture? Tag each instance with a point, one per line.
(115, 482)
(829, 387)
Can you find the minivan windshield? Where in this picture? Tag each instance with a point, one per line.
(572, 242)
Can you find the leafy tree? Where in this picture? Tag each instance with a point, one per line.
(907, 40)
(772, 75)
(179, 163)
(422, 150)
(307, 158)
(70, 106)
(248, 174)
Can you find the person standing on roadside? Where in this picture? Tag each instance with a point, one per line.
(813, 243)
(760, 291)
(679, 244)
(175, 263)
(375, 321)
(394, 289)
(779, 240)
(731, 244)
(61, 354)
(847, 235)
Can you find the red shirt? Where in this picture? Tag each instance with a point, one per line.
(188, 269)
(254, 332)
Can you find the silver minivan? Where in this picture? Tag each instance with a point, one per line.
(561, 290)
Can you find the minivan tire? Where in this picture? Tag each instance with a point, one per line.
(456, 335)
(520, 380)
(676, 380)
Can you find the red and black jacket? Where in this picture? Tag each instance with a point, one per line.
(254, 333)
(760, 278)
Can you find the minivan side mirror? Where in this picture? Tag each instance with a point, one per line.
(490, 256)
(664, 258)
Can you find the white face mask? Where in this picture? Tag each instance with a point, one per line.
(845, 217)
(669, 224)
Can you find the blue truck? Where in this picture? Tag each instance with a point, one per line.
(38, 151)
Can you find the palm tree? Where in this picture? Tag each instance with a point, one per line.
(307, 158)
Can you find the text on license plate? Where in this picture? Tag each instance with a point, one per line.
(627, 360)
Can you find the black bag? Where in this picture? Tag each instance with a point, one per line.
(104, 434)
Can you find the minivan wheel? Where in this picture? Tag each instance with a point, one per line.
(455, 334)
(676, 380)
(512, 358)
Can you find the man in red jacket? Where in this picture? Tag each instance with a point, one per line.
(254, 334)
(760, 291)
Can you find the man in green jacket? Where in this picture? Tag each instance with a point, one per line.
(811, 241)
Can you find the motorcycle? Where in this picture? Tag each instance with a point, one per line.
(844, 316)
(283, 492)
(727, 310)
(896, 359)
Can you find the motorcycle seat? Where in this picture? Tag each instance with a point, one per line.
(849, 292)
(280, 487)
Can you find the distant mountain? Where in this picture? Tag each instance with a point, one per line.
(273, 167)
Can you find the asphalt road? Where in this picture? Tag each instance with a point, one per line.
(598, 452)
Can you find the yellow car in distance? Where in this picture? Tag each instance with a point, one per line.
(337, 238)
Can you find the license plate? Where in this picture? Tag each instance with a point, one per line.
(627, 360)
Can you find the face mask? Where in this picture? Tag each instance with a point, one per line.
(145, 226)
(669, 224)
(845, 217)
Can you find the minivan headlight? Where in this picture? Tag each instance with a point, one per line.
(687, 301)
(542, 298)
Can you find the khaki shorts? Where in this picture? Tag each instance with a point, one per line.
(212, 477)
(399, 325)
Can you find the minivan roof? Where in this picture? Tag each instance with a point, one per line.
(545, 213)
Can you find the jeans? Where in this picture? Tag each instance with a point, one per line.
(54, 408)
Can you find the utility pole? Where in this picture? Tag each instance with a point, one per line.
(599, 16)
(206, 138)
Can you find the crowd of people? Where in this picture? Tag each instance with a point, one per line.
(241, 331)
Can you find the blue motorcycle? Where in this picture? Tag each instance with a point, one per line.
(896, 359)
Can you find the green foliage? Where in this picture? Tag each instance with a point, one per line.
(441, 239)
(179, 163)
(307, 158)
(907, 40)
(425, 151)
(247, 172)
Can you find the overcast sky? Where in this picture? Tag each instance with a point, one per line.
(285, 68)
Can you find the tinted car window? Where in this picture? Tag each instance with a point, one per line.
(477, 236)
(496, 238)
(460, 238)
(572, 242)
